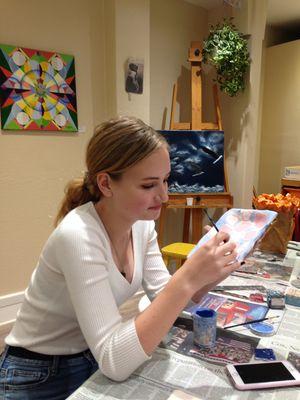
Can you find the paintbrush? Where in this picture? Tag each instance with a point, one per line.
(211, 220)
(250, 322)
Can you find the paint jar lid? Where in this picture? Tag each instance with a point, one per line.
(262, 329)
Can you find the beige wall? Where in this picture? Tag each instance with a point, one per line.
(35, 167)
(174, 24)
(102, 34)
(241, 114)
(280, 139)
(132, 40)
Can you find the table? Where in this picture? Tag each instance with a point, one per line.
(167, 370)
(292, 186)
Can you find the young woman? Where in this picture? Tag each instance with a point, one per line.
(103, 249)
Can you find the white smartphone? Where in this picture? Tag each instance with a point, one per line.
(263, 375)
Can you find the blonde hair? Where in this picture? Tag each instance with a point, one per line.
(116, 145)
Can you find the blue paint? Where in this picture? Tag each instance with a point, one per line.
(262, 328)
(206, 313)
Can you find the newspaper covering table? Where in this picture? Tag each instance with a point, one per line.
(168, 371)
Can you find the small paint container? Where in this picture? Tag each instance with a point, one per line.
(264, 354)
(205, 327)
(292, 297)
(189, 201)
(262, 329)
(275, 299)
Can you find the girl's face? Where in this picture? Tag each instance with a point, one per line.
(142, 189)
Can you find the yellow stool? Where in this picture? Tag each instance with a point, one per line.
(177, 251)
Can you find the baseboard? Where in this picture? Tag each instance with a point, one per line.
(9, 306)
(6, 328)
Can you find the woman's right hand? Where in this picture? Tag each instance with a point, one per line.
(211, 263)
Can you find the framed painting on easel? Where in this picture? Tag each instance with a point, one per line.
(197, 161)
(198, 170)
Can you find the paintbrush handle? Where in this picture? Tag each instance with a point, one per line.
(211, 220)
(250, 322)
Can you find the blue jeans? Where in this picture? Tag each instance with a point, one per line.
(56, 379)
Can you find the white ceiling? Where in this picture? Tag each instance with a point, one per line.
(284, 13)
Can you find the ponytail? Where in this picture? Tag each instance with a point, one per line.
(77, 192)
(116, 146)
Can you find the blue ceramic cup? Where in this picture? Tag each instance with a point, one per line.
(205, 327)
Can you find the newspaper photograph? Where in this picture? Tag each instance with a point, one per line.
(229, 348)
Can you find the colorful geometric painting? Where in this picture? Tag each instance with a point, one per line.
(37, 90)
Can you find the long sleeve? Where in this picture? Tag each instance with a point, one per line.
(156, 275)
(114, 343)
(73, 299)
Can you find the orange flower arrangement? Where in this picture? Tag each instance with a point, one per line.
(277, 202)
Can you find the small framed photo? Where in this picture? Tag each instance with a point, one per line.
(134, 76)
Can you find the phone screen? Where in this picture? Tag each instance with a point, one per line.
(257, 373)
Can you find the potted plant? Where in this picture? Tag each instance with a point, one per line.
(226, 49)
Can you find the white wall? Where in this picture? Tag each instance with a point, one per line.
(280, 140)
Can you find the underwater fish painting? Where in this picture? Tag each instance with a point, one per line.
(197, 161)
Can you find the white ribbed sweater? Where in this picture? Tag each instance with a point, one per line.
(72, 301)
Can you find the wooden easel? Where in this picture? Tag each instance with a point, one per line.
(195, 58)
(200, 200)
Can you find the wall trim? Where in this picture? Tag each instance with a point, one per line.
(5, 328)
(9, 306)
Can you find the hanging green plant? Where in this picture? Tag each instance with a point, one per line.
(226, 49)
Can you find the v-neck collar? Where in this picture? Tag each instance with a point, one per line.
(133, 233)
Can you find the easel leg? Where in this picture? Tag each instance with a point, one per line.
(173, 108)
(217, 107)
(166, 260)
(161, 225)
(186, 225)
(196, 224)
